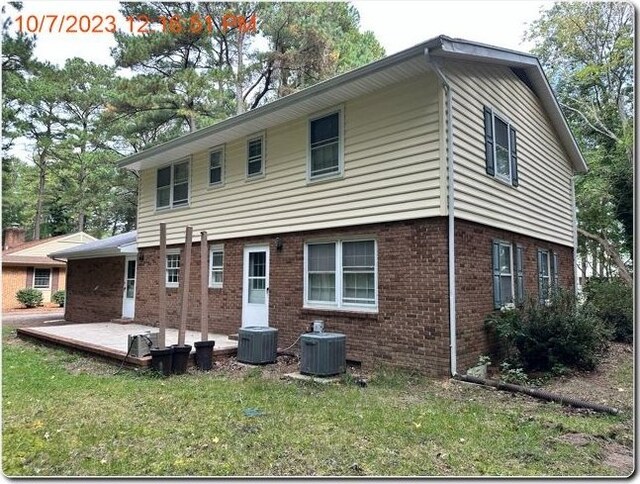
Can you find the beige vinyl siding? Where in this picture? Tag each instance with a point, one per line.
(42, 250)
(391, 172)
(541, 206)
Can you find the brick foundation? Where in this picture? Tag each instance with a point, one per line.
(94, 289)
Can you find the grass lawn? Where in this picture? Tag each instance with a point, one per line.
(65, 414)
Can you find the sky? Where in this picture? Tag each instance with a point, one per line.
(397, 24)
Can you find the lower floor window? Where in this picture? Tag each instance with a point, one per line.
(41, 278)
(172, 270)
(341, 274)
(503, 289)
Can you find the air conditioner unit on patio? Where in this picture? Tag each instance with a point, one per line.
(140, 345)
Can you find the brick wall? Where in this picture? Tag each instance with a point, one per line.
(474, 284)
(94, 289)
(13, 279)
(410, 329)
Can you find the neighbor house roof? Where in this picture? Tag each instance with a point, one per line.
(118, 245)
(35, 252)
(368, 78)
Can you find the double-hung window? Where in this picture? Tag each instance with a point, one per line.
(341, 275)
(216, 266)
(503, 272)
(42, 278)
(172, 268)
(255, 156)
(325, 146)
(501, 159)
(547, 274)
(216, 166)
(172, 185)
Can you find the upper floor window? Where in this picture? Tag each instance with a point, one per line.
(325, 146)
(216, 166)
(255, 156)
(501, 160)
(172, 185)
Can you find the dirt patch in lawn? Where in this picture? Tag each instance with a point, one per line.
(619, 458)
(610, 384)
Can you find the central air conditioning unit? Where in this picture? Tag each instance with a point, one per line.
(323, 354)
(140, 345)
(257, 345)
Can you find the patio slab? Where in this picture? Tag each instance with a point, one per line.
(110, 339)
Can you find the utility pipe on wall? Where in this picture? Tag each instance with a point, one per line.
(450, 212)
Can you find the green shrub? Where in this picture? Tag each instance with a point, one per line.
(613, 303)
(29, 297)
(58, 297)
(539, 337)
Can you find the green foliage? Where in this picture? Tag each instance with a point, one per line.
(511, 374)
(59, 297)
(30, 297)
(538, 337)
(612, 301)
(587, 51)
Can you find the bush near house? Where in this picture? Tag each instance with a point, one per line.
(30, 297)
(612, 301)
(58, 297)
(541, 337)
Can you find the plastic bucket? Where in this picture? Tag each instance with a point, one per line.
(162, 360)
(180, 359)
(204, 354)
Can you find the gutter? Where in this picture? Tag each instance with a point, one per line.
(450, 214)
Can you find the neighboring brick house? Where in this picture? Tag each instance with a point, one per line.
(401, 203)
(26, 264)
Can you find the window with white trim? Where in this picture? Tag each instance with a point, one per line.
(216, 166)
(501, 158)
(341, 274)
(216, 266)
(325, 146)
(503, 288)
(544, 275)
(255, 156)
(172, 185)
(41, 278)
(172, 268)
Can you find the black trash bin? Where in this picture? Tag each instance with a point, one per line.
(162, 360)
(204, 354)
(180, 359)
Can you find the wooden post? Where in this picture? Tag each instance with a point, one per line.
(204, 287)
(162, 290)
(184, 285)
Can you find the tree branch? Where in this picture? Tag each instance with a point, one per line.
(612, 252)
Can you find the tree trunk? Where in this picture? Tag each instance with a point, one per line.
(612, 253)
(39, 202)
(240, 108)
(81, 220)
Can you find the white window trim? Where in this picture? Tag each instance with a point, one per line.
(166, 273)
(497, 114)
(33, 282)
(340, 173)
(262, 173)
(221, 148)
(339, 305)
(190, 182)
(549, 275)
(212, 249)
(512, 271)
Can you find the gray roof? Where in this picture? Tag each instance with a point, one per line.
(353, 83)
(109, 247)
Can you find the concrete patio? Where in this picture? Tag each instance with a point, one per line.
(109, 340)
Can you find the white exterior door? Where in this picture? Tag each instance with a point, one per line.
(255, 290)
(129, 292)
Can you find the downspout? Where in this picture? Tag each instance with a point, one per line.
(450, 214)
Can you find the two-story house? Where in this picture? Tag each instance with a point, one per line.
(400, 202)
